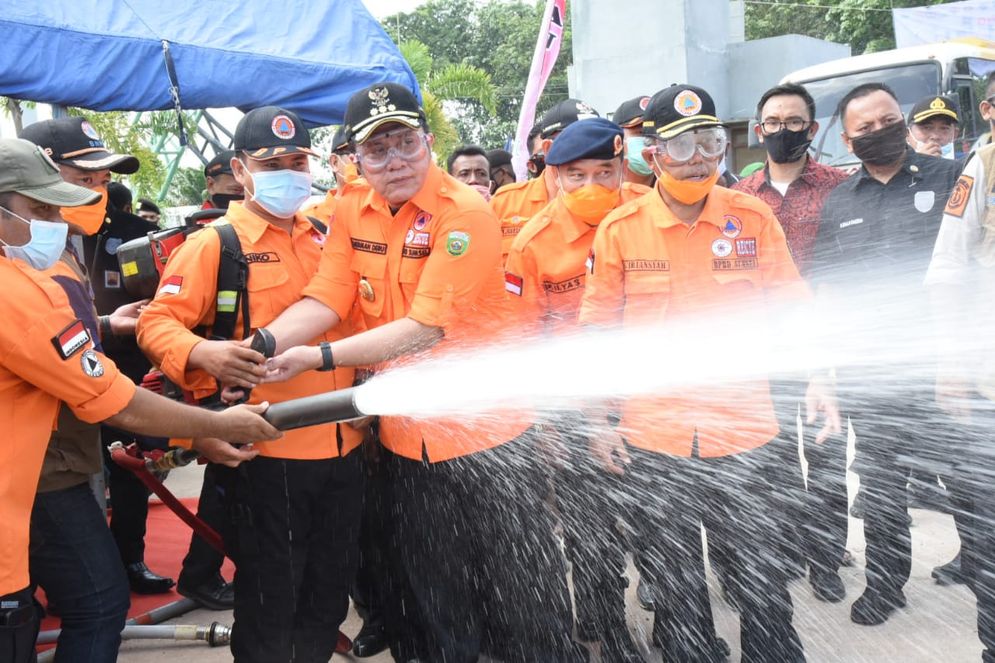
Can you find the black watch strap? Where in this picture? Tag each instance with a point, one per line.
(327, 362)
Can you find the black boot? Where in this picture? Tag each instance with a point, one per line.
(215, 594)
(617, 647)
(143, 581)
(950, 573)
(371, 639)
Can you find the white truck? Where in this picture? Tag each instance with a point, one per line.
(957, 68)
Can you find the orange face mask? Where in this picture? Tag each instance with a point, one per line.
(591, 202)
(88, 218)
(687, 191)
(350, 171)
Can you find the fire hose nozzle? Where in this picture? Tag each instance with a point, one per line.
(313, 410)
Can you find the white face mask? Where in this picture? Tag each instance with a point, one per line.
(280, 192)
(48, 241)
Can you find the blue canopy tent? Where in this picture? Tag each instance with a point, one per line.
(143, 55)
(138, 55)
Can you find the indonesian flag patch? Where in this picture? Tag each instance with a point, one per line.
(71, 340)
(171, 286)
(513, 283)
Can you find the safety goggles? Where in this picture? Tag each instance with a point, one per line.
(405, 144)
(710, 142)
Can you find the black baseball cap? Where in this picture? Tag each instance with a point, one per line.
(498, 158)
(563, 114)
(73, 141)
(934, 107)
(630, 113)
(678, 108)
(340, 141)
(379, 104)
(220, 164)
(269, 132)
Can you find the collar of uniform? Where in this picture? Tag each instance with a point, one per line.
(536, 189)
(662, 216)
(252, 225)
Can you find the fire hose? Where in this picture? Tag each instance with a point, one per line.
(288, 415)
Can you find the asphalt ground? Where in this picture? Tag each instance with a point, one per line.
(937, 625)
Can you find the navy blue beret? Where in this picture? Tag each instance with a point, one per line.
(593, 138)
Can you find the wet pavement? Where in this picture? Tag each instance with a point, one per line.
(937, 625)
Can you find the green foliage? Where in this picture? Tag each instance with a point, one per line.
(123, 136)
(460, 84)
(188, 187)
(498, 38)
(864, 24)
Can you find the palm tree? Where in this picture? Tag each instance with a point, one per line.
(455, 82)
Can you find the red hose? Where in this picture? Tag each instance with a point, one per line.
(126, 458)
(136, 465)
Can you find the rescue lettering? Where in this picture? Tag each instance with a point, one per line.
(415, 252)
(369, 247)
(726, 264)
(646, 265)
(563, 286)
(267, 256)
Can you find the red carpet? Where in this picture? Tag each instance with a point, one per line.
(166, 544)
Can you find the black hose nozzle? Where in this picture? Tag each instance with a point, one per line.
(313, 410)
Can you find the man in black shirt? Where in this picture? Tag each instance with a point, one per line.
(879, 226)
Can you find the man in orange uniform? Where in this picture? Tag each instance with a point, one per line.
(295, 509)
(47, 356)
(629, 116)
(343, 164)
(545, 273)
(670, 256)
(420, 252)
(516, 203)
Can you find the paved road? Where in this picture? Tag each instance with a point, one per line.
(937, 626)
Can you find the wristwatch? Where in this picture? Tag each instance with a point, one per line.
(327, 361)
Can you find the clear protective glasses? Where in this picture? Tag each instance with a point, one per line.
(710, 142)
(404, 144)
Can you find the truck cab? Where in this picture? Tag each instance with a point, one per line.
(957, 68)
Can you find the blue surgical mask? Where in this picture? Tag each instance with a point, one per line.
(634, 155)
(48, 241)
(947, 151)
(281, 192)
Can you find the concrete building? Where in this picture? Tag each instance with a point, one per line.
(620, 53)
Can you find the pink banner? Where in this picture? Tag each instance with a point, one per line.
(547, 49)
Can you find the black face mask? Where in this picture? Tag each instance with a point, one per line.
(222, 200)
(882, 147)
(786, 146)
(537, 164)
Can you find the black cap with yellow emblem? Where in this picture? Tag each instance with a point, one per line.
(630, 113)
(678, 108)
(934, 106)
(269, 132)
(379, 104)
